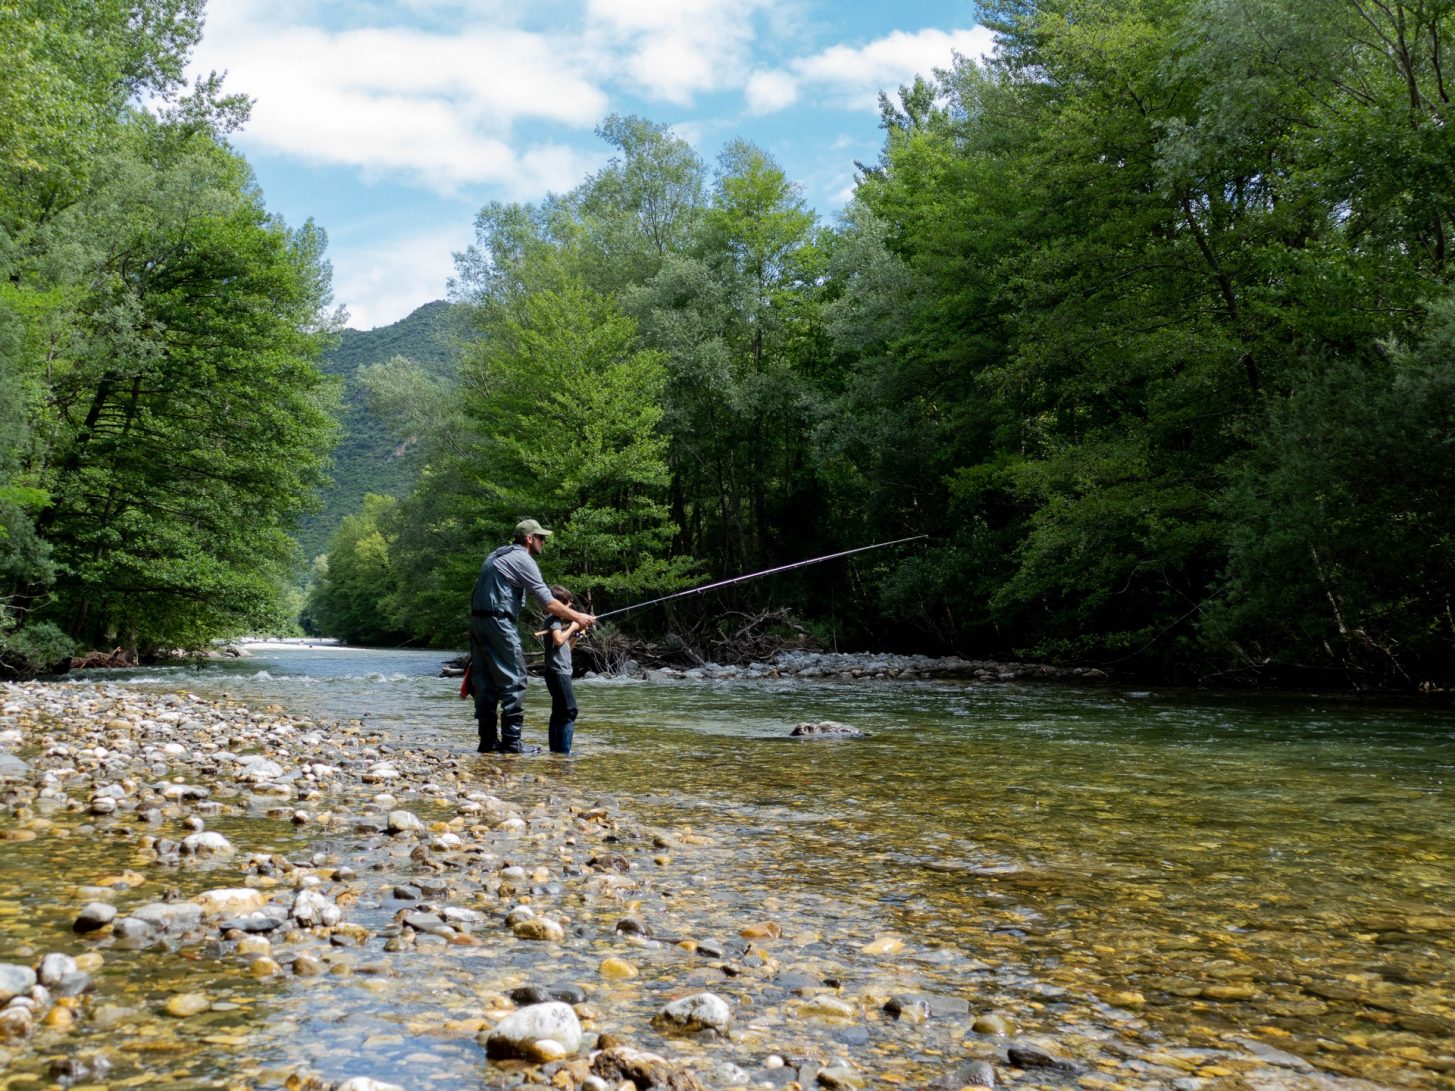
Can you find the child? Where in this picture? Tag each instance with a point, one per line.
(558, 638)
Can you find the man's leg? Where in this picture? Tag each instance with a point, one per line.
(487, 696)
(507, 671)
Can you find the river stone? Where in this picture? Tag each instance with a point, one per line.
(404, 822)
(990, 1023)
(828, 1006)
(170, 916)
(208, 843)
(459, 914)
(256, 768)
(132, 932)
(617, 969)
(95, 916)
(231, 902)
(700, 1011)
(1026, 1055)
(518, 1034)
(840, 1078)
(826, 729)
(15, 1023)
(54, 968)
(623, 1063)
(266, 919)
(971, 1074)
(72, 984)
(311, 909)
(13, 768)
(365, 1083)
(908, 1008)
(186, 1004)
(14, 980)
(539, 928)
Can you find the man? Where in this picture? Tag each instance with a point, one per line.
(497, 663)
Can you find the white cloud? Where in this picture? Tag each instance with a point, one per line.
(674, 49)
(854, 76)
(769, 92)
(380, 283)
(437, 109)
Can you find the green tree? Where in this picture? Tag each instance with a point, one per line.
(350, 584)
(1342, 516)
(738, 317)
(186, 420)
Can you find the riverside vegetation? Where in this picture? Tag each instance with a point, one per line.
(205, 894)
(1145, 320)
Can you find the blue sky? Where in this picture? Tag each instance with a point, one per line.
(391, 124)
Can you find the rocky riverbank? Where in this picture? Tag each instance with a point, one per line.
(203, 894)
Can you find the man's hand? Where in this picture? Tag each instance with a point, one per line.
(583, 620)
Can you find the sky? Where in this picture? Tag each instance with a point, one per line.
(392, 124)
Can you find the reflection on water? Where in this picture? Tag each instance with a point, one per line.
(1270, 866)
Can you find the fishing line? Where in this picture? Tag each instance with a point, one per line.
(757, 575)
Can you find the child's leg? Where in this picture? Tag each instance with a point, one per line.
(563, 712)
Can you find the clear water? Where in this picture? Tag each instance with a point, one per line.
(1182, 869)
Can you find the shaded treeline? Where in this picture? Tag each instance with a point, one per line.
(1146, 319)
(162, 420)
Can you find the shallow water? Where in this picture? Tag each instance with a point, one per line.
(1171, 869)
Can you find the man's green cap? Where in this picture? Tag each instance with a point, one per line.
(527, 527)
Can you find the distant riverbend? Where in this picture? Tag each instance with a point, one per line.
(1058, 885)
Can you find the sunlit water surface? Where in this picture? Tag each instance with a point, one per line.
(1281, 867)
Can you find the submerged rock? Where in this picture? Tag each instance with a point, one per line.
(826, 729)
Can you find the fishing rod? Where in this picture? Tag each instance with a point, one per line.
(757, 575)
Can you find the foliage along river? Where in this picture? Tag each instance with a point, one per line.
(1206, 867)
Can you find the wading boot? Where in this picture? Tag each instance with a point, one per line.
(510, 739)
(489, 741)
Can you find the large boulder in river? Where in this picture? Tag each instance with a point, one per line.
(826, 729)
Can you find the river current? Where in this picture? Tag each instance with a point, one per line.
(1272, 868)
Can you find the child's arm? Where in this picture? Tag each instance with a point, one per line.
(560, 636)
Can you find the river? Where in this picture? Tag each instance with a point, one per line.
(1187, 868)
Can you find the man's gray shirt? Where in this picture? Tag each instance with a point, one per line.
(518, 570)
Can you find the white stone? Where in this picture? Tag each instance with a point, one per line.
(312, 909)
(518, 1034)
(56, 966)
(257, 768)
(700, 1011)
(208, 843)
(404, 822)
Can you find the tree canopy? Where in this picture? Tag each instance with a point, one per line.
(164, 418)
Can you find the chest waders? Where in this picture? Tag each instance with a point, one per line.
(497, 662)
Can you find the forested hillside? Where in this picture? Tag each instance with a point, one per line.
(369, 456)
(1146, 320)
(163, 420)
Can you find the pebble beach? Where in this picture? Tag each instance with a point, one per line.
(207, 894)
